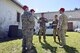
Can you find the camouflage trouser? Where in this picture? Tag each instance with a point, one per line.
(42, 31)
(27, 38)
(62, 34)
(56, 32)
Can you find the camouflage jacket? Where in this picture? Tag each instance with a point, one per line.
(55, 23)
(63, 20)
(42, 22)
(27, 20)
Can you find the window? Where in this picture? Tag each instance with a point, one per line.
(18, 17)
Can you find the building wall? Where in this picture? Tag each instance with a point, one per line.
(73, 14)
(70, 14)
(8, 14)
(74, 24)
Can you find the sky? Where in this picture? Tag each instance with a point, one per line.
(50, 5)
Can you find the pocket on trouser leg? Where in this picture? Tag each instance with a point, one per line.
(29, 43)
(63, 38)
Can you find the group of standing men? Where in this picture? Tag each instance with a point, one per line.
(28, 23)
(59, 27)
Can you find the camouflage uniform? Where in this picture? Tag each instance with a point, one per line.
(55, 30)
(42, 29)
(27, 29)
(63, 19)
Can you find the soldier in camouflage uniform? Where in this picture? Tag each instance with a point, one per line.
(32, 11)
(42, 21)
(63, 20)
(27, 29)
(55, 29)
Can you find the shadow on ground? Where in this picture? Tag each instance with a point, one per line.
(69, 49)
(9, 39)
(50, 35)
(47, 46)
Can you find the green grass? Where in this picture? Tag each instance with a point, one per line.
(72, 40)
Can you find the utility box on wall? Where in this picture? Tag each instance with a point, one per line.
(13, 31)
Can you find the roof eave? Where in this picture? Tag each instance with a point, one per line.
(17, 3)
